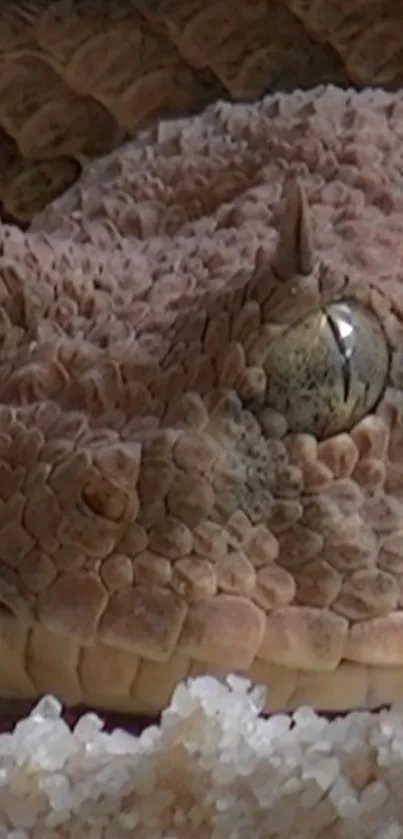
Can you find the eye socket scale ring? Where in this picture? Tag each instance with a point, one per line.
(327, 371)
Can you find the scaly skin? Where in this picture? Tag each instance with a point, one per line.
(77, 78)
(165, 364)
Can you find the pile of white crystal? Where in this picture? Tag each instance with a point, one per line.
(213, 769)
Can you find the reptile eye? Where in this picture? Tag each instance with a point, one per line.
(328, 370)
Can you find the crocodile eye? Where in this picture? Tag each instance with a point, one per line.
(328, 370)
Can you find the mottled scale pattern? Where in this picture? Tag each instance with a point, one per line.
(365, 34)
(78, 77)
(158, 515)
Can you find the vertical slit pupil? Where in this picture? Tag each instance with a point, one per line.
(346, 369)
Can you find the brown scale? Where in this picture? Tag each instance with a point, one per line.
(354, 31)
(188, 532)
(274, 587)
(87, 78)
(116, 572)
(195, 578)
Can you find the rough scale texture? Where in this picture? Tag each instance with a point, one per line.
(79, 76)
(158, 517)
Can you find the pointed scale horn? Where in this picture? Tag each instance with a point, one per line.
(295, 253)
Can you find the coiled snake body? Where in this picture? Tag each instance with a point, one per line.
(205, 485)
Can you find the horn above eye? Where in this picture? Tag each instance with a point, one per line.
(327, 371)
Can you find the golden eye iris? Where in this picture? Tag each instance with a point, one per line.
(328, 370)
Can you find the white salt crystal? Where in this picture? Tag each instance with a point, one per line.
(207, 687)
(21, 813)
(48, 708)
(291, 786)
(358, 725)
(225, 803)
(348, 808)
(390, 831)
(230, 737)
(250, 777)
(266, 795)
(149, 737)
(257, 698)
(112, 777)
(282, 819)
(311, 795)
(308, 725)
(336, 732)
(384, 757)
(85, 790)
(277, 726)
(238, 684)
(58, 790)
(5, 776)
(207, 739)
(245, 760)
(87, 728)
(320, 747)
(343, 798)
(373, 796)
(352, 746)
(43, 743)
(304, 715)
(128, 820)
(120, 742)
(223, 774)
(324, 771)
(183, 704)
(7, 743)
(397, 747)
(55, 818)
(387, 726)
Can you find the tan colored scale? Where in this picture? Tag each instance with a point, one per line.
(200, 439)
(77, 79)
